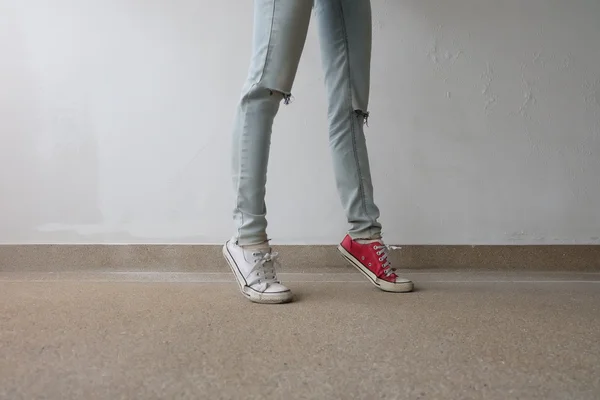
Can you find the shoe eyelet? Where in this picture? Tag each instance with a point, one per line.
(370, 265)
(363, 258)
(381, 259)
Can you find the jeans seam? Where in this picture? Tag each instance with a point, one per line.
(352, 114)
(239, 171)
(262, 73)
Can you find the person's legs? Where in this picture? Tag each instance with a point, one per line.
(345, 35)
(280, 28)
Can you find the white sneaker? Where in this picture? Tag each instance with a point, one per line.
(254, 270)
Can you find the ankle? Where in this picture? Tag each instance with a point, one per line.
(256, 246)
(367, 241)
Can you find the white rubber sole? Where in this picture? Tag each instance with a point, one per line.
(402, 287)
(248, 292)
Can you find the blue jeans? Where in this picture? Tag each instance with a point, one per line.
(280, 30)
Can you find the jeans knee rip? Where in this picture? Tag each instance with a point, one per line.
(364, 115)
(287, 97)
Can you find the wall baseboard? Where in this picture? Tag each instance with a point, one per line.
(208, 258)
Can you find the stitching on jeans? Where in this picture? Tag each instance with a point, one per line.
(262, 73)
(243, 106)
(352, 130)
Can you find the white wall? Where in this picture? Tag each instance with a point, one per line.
(115, 120)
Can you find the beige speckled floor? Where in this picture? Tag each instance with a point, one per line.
(462, 335)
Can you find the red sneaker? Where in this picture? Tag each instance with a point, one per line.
(372, 259)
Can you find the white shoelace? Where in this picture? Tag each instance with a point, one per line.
(263, 270)
(384, 253)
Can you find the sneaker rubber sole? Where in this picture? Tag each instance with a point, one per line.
(402, 287)
(248, 292)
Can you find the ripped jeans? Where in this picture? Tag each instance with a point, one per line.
(280, 30)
